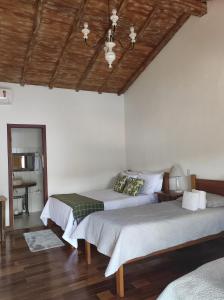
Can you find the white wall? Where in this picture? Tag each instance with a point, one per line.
(85, 135)
(175, 110)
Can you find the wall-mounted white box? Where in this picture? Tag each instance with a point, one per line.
(5, 96)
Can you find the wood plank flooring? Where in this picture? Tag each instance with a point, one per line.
(62, 274)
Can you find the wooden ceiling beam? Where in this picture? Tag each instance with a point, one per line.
(92, 61)
(73, 29)
(39, 5)
(140, 33)
(195, 7)
(169, 35)
(198, 7)
(122, 6)
(99, 47)
(148, 22)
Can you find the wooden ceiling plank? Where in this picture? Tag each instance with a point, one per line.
(39, 5)
(183, 18)
(99, 47)
(140, 33)
(73, 29)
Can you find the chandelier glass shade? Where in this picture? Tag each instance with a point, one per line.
(110, 41)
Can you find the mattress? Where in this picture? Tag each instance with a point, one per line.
(134, 232)
(62, 214)
(206, 282)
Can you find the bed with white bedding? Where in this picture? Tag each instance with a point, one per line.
(153, 228)
(62, 214)
(134, 233)
(206, 282)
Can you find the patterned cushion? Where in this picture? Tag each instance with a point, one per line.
(133, 186)
(120, 183)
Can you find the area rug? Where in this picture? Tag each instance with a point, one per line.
(42, 240)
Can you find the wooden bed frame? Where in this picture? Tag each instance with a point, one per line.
(166, 182)
(210, 186)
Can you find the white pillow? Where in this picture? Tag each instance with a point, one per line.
(191, 201)
(152, 182)
(159, 184)
(133, 174)
(214, 200)
(202, 198)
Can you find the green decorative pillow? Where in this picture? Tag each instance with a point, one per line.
(133, 186)
(120, 183)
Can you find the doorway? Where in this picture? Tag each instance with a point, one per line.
(27, 172)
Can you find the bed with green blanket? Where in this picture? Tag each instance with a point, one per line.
(68, 210)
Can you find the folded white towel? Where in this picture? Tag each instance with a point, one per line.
(202, 198)
(191, 201)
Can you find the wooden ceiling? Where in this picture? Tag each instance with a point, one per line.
(41, 41)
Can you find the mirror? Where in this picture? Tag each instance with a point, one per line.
(23, 162)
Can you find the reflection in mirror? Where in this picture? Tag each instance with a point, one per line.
(23, 161)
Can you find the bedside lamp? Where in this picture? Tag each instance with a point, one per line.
(177, 173)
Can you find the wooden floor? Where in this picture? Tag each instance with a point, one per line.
(62, 273)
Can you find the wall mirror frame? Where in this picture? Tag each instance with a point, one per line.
(10, 164)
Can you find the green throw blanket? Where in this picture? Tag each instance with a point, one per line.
(82, 206)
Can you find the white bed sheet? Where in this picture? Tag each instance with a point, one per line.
(206, 282)
(62, 214)
(134, 232)
(115, 200)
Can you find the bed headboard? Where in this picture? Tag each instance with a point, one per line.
(207, 185)
(166, 182)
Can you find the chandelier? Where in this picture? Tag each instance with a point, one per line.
(110, 41)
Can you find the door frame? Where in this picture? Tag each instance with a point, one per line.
(10, 167)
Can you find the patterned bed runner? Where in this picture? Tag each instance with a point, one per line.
(82, 206)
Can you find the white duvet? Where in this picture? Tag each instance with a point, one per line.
(205, 283)
(62, 214)
(133, 232)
